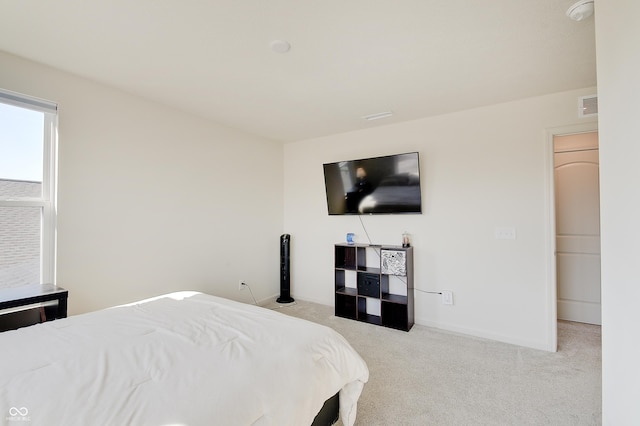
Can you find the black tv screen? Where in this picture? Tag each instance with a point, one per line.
(380, 185)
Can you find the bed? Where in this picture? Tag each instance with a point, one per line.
(184, 358)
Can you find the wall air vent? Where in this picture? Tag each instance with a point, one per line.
(587, 106)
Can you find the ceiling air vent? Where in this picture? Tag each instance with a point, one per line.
(587, 106)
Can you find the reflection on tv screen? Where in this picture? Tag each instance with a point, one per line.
(378, 185)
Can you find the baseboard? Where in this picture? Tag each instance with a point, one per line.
(470, 332)
(268, 300)
(484, 334)
(317, 301)
(571, 310)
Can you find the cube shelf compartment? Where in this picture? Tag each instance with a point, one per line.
(374, 284)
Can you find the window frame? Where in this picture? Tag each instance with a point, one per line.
(48, 198)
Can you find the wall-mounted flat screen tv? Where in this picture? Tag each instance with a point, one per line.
(380, 185)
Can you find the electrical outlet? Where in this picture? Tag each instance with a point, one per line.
(447, 297)
(241, 285)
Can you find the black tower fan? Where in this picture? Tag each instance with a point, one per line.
(285, 277)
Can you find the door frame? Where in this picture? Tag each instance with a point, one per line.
(550, 234)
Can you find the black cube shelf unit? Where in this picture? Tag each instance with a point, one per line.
(374, 284)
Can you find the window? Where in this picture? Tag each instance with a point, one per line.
(28, 135)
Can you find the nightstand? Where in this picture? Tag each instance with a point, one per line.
(31, 304)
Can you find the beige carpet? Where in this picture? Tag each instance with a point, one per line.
(433, 377)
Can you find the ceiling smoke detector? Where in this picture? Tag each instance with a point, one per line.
(280, 46)
(580, 10)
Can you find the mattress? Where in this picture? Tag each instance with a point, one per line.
(180, 359)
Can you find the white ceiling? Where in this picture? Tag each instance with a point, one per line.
(349, 58)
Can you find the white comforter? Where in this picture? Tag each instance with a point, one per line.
(180, 359)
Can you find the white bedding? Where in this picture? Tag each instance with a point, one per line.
(181, 359)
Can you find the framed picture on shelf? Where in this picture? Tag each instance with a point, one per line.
(393, 262)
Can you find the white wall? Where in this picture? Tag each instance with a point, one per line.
(618, 60)
(152, 199)
(480, 169)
